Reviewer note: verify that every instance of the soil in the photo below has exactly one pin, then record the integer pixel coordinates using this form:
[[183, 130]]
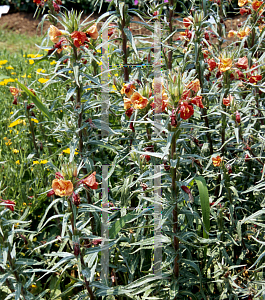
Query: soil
[[21, 22]]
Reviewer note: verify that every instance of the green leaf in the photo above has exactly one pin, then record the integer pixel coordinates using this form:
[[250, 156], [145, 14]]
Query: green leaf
[[130, 38], [35, 100], [115, 229], [205, 204]]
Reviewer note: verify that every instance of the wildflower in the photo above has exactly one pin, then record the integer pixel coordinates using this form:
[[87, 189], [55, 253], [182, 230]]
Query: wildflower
[[232, 33], [34, 120], [54, 34], [43, 80], [242, 2], [225, 64], [128, 89], [186, 110], [212, 64], [14, 91], [144, 186], [62, 187], [3, 62], [90, 181], [56, 7], [138, 101], [92, 32], [194, 85], [43, 162], [242, 63], [78, 38], [227, 101], [31, 61], [40, 71], [17, 162], [76, 199], [35, 162], [247, 158], [68, 151], [15, 151], [197, 101], [244, 32], [216, 161], [187, 22], [238, 118], [243, 11], [127, 103], [9, 204], [9, 68], [255, 79], [256, 4], [8, 143], [53, 62]]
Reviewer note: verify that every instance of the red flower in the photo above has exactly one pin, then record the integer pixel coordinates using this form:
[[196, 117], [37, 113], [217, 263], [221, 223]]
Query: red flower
[[197, 100], [255, 79], [90, 181], [238, 118], [240, 74], [76, 199], [129, 112], [243, 11], [78, 38], [56, 7], [186, 110], [50, 193], [187, 22], [9, 204], [212, 64], [242, 63]]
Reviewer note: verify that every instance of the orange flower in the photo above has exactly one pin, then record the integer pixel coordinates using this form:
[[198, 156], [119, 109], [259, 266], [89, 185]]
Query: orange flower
[[93, 32], [90, 181], [128, 89], [194, 85], [225, 64], [216, 161], [232, 33], [242, 63], [244, 32], [14, 91], [138, 101], [242, 2], [127, 103], [62, 187], [79, 38], [197, 100], [185, 110], [54, 34], [212, 64], [227, 101], [256, 4]]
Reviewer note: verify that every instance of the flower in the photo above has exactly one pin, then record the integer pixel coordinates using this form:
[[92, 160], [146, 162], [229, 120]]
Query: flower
[[197, 100], [68, 151], [216, 161], [138, 101], [187, 22], [242, 63], [238, 118], [54, 34], [18, 121], [227, 101], [225, 64], [9, 204], [255, 79], [15, 151], [62, 187], [78, 38], [50, 193], [194, 85], [129, 112], [43, 162], [43, 80], [212, 64], [128, 89], [9, 68], [90, 181], [127, 103], [242, 2], [256, 4], [76, 199], [232, 33], [17, 162], [244, 32], [186, 110], [14, 91], [92, 32]]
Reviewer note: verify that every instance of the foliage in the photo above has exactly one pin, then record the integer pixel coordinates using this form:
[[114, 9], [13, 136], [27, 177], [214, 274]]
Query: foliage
[[133, 165]]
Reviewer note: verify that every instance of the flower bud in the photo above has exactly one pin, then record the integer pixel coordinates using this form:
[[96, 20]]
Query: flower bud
[[50, 193], [76, 249], [238, 118], [76, 199]]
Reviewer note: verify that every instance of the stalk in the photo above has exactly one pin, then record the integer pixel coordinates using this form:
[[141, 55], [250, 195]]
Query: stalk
[[33, 135], [124, 49], [170, 42]]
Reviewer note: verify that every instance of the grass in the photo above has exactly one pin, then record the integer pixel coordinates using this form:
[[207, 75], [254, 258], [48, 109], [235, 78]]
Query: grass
[[15, 42]]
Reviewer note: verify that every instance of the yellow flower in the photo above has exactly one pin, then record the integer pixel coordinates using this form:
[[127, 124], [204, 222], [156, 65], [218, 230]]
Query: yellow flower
[[24, 76], [29, 76], [225, 64], [11, 113], [34, 285], [43, 80], [35, 239], [15, 151], [40, 71], [9, 68], [34, 120], [53, 62], [24, 203], [31, 61], [18, 121], [8, 143], [70, 72], [35, 162], [100, 63], [22, 253], [68, 151], [3, 62], [5, 138], [44, 161], [13, 73]]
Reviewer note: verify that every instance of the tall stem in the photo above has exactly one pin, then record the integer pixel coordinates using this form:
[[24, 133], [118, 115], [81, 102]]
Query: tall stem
[[124, 49], [170, 42], [33, 135]]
